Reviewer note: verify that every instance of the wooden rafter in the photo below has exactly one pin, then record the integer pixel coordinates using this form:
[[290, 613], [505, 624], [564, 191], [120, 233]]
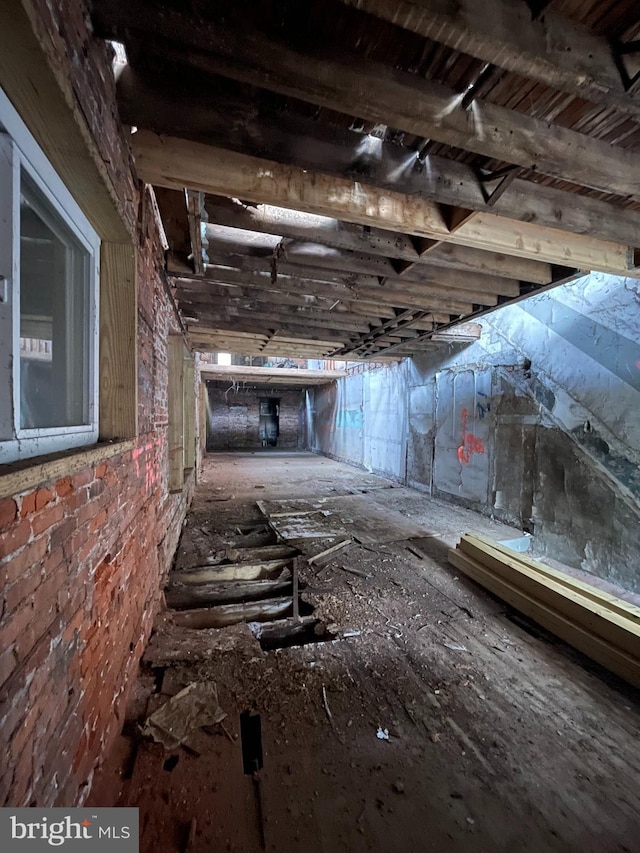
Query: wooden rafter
[[381, 94], [172, 162], [547, 47], [343, 153]]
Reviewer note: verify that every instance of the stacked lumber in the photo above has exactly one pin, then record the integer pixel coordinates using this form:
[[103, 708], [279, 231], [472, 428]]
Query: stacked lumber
[[602, 626]]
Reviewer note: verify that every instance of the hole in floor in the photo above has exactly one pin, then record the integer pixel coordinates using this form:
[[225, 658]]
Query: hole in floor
[[158, 678], [285, 634], [171, 763], [251, 739]]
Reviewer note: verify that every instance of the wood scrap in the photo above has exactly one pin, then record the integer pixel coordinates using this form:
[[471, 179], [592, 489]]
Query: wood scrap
[[230, 614], [356, 572], [189, 596], [238, 571], [332, 550]]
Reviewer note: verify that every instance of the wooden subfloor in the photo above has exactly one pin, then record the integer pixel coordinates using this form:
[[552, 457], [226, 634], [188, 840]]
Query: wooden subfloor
[[501, 738]]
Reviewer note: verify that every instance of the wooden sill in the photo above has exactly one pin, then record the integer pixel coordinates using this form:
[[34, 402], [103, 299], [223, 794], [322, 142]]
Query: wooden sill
[[18, 477]]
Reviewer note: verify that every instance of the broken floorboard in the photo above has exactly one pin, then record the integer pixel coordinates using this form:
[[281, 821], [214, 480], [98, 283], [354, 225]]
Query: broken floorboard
[[500, 737]]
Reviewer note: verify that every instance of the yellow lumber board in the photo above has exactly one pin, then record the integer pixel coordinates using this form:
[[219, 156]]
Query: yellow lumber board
[[578, 608], [625, 665], [612, 602]]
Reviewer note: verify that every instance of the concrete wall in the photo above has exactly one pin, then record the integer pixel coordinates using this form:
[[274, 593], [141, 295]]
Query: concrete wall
[[234, 417], [83, 555], [535, 423]]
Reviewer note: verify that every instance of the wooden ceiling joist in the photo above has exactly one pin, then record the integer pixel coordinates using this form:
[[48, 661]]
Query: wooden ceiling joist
[[366, 189], [268, 219], [378, 93], [172, 162], [344, 153], [550, 48]]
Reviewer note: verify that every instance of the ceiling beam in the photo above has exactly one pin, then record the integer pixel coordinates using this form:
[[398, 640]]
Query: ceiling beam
[[550, 49], [356, 267], [375, 92], [175, 163], [267, 324], [300, 141], [284, 376], [280, 221]]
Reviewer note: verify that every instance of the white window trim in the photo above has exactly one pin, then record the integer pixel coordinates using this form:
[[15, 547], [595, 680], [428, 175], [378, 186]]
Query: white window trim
[[19, 149]]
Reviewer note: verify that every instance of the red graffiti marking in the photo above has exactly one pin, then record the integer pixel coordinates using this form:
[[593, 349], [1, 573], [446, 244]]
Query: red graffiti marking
[[470, 444]]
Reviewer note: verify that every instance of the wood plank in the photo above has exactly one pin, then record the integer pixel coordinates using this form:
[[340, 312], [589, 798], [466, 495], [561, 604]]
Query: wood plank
[[280, 221], [303, 142], [281, 374], [189, 597], [614, 659], [299, 330], [319, 319], [118, 355], [580, 609], [168, 161], [231, 614], [475, 544], [266, 569], [26, 475], [550, 49], [172, 206], [189, 412], [382, 94], [175, 404]]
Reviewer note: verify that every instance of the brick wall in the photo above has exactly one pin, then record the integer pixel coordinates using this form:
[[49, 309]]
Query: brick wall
[[234, 417], [82, 557]]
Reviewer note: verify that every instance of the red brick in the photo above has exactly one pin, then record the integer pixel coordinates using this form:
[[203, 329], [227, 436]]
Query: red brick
[[22, 589], [31, 555], [101, 469], [64, 487], [76, 499], [97, 522], [44, 520], [28, 504], [8, 664], [15, 538], [82, 478], [8, 511], [43, 497], [15, 625]]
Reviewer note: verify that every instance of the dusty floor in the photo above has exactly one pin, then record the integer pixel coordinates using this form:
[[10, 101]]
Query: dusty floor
[[501, 738]]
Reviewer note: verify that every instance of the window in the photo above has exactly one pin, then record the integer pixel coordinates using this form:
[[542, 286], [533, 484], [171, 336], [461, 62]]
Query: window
[[49, 259]]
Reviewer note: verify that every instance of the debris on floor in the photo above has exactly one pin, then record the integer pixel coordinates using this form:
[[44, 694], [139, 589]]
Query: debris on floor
[[192, 708], [404, 704]]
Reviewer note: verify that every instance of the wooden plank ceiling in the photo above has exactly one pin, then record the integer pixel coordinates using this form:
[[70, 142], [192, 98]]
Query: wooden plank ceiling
[[354, 177]]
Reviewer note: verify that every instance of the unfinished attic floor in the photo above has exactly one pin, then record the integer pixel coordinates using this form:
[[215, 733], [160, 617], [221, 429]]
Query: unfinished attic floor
[[500, 738]]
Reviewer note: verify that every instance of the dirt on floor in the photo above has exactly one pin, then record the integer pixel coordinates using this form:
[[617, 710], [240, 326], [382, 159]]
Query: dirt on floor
[[428, 716]]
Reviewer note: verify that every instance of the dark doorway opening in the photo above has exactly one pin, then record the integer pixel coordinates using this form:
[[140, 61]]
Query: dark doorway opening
[[269, 420]]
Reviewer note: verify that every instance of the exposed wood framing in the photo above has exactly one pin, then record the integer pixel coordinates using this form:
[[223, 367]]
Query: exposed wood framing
[[381, 94], [118, 410], [27, 475], [271, 376], [551, 48], [268, 219], [347, 154], [172, 162], [175, 403]]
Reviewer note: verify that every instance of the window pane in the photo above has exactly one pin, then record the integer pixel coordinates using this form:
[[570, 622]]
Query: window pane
[[54, 356]]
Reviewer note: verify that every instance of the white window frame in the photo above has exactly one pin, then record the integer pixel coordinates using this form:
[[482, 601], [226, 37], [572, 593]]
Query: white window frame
[[19, 150]]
